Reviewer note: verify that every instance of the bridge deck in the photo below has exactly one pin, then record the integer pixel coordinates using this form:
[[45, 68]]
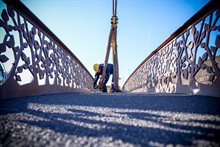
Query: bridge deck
[[97, 119]]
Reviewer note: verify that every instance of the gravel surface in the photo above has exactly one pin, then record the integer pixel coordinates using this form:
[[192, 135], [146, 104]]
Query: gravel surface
[[121, 119]]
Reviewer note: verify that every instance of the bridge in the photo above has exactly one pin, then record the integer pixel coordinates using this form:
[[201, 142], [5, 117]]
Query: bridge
[[171, 98]]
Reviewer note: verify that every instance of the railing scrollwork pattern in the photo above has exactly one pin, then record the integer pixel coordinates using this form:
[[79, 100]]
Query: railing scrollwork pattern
[[187, 62], [33, 60]]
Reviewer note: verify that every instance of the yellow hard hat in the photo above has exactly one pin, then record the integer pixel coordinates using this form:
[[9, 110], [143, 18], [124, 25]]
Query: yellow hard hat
[[96, 67]]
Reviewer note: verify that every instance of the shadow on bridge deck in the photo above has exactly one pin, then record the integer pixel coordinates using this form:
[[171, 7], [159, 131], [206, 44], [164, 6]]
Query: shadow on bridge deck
[[79, 119]]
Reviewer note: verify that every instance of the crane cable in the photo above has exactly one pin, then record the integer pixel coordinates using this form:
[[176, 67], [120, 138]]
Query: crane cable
[[114, 7]]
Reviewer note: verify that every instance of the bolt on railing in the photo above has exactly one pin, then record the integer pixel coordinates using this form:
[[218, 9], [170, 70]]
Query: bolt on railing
[[187, 62], [32, 59]]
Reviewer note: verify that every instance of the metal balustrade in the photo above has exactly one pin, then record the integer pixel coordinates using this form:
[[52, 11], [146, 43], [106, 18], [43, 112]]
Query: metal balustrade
[[187, 62], [32, 59]]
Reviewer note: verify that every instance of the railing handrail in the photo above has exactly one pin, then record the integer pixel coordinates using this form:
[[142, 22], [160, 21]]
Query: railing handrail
[[24, 11], [206, 9]]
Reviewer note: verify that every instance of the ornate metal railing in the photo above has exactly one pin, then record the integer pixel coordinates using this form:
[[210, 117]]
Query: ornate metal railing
[[32, 59], [187, 62]]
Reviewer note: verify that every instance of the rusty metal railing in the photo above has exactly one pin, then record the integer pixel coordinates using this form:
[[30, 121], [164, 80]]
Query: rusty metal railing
[[187, 62], [32, 59]]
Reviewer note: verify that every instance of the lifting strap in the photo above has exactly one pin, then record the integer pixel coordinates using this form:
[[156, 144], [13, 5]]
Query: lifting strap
[[112, 43]]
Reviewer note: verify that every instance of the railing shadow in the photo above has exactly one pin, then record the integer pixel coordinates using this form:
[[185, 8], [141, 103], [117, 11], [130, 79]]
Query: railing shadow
[[134, 119]]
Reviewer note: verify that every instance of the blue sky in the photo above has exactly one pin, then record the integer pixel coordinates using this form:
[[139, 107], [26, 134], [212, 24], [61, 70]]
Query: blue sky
[[84, 25]]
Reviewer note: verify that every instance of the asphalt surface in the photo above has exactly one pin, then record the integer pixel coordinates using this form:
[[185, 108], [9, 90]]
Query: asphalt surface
[[122, 119]]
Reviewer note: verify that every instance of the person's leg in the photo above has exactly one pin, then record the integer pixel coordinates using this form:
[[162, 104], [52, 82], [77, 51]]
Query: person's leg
[[113, 84], [105, 82]]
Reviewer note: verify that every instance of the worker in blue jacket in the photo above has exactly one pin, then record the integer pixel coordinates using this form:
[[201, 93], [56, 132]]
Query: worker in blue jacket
[[98, 68]]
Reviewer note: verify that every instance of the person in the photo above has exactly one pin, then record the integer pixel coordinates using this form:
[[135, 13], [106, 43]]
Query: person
[[98, 68]]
